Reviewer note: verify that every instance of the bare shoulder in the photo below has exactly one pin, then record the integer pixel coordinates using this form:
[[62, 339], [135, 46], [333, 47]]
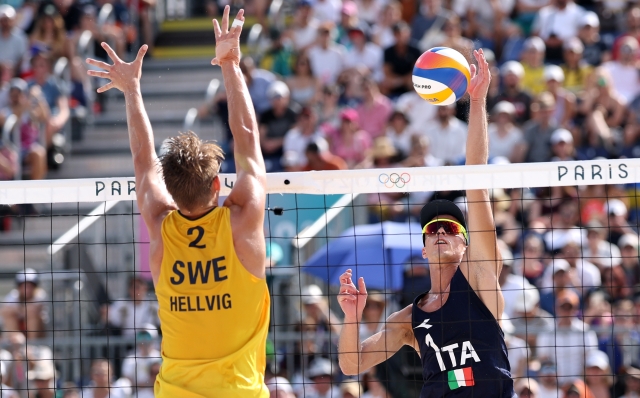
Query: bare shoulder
[[399, 325], [248, 240]]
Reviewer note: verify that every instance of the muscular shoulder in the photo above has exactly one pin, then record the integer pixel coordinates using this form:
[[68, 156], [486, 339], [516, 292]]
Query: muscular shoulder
[[399, 324]]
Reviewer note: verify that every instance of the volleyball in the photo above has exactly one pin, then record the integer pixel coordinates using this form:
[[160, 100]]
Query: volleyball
[[441, 76]]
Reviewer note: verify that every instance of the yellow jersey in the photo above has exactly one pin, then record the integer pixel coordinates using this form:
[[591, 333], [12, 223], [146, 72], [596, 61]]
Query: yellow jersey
[[533, 80], [214, 313]]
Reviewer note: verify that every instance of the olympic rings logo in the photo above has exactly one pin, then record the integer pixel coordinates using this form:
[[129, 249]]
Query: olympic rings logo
[[394, 179]]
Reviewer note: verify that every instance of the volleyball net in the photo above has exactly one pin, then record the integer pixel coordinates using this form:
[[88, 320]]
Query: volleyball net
[[79, 310]]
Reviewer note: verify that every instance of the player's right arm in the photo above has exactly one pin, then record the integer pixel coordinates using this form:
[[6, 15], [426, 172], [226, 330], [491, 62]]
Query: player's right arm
[[247, 198], [356, 357], [152, 196]]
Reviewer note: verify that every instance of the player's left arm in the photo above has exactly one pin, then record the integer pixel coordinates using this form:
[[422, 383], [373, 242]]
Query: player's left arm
[[484, 260], [152, 196]]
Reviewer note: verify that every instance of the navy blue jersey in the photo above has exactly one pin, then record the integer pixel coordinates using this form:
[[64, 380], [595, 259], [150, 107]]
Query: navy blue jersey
[[462, 347]]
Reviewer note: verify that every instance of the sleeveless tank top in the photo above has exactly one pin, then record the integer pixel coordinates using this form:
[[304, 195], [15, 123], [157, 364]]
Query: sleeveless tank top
[[462, 347], [214, 313]]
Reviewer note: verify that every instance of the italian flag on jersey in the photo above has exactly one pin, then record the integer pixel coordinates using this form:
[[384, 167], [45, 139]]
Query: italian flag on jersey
[[460, 378]]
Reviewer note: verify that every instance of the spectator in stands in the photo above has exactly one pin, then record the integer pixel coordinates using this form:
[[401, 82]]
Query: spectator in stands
[[420, 156], [20, 356], [547, 376], [49, 33], [147, 390], [258, 82], [562, 147], [628, 244], [348, 141], [511, 74], [319, 157], [328, 107], [488, 21], [448, 135], [505, 139], [279, 387], [43, 377], [530, 262], [373, 315], [418, 111], [107, 32], [399, 132], [527, 388], [565, 100], [399, 61], [562, 279], [511, 285], [614, 284], [567, 349], [321, 375], [364, 55], [349, 19], [597, 250], [278, 58], [275, 123], [136, 366], [532, 60], [598, 374], [428, 23], [624, 70], [369, 11], [31, 109], [326, 56], [517, 349], [296, 140], [453, 37], [595, 50], [382, 32], [25, 309], [327, 10], [303, 84], [630, 29], [617, 221], [556, 23], [537, 132], [53, 92], [316, 307], [576, 70], [585, 274], [137, 311], [304, 30], [13, 42], [375, 109], [527, 315], [632, 382], [102, 382]]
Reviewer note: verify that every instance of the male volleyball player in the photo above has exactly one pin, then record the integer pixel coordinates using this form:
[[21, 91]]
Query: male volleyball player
[[454, 326], [207, 261]]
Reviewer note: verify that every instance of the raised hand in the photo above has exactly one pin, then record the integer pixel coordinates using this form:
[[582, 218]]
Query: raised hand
[[480, 77], [124, 76], [227, 40], [352, 300]]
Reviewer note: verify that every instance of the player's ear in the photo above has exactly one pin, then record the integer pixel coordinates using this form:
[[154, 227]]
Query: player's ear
[[424, 252], [215, 184]]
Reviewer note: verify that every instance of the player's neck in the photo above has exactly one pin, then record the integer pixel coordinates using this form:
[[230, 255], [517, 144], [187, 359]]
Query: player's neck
[[441, 275], [194, 214]]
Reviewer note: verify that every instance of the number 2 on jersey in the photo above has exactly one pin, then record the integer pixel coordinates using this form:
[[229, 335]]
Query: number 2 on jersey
[[196, 241]]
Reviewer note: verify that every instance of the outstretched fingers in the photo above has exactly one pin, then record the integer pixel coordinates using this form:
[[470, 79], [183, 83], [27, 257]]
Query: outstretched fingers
[[98, 73], [112, 54], [362, 286], [106, 87], [216, 29], [473, 70], [141, 52], [225, 20], [99, 64]]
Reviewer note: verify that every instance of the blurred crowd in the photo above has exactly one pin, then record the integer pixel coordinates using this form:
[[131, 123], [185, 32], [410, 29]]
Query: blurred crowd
[[43, 79], [117, 369], [333, 91]]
